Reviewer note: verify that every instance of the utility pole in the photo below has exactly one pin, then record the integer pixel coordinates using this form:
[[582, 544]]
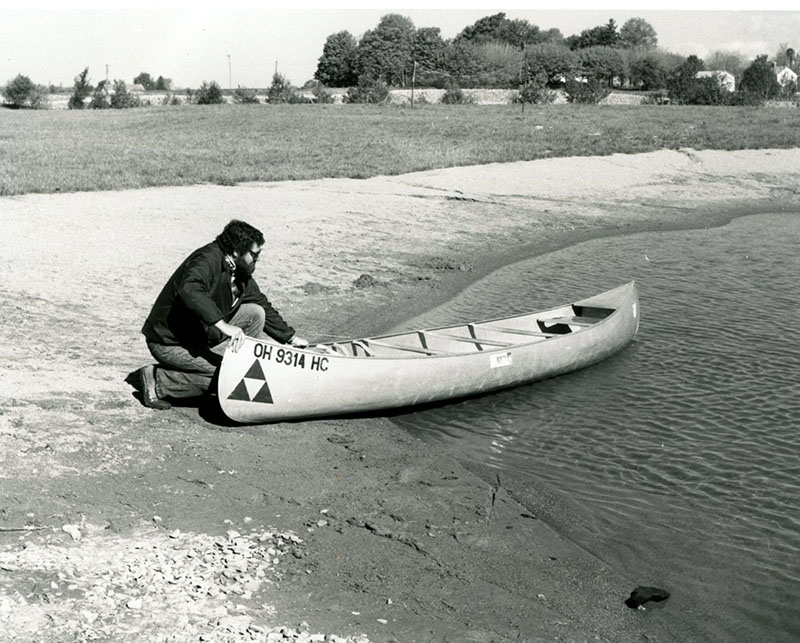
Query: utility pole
[[413, 82], [106, 73], [230, 87]]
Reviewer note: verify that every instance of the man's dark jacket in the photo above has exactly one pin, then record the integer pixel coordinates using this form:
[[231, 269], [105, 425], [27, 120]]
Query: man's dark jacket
[[198, 295]]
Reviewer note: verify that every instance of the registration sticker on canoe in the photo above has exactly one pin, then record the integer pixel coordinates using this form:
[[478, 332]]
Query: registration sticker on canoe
[[504, 359]]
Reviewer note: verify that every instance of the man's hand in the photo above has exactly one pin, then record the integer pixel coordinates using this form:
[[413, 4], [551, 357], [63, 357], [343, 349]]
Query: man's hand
[[235, 333], [298, 342]]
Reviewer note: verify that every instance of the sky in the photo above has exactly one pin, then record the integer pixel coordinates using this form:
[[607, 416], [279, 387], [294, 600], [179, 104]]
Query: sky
[[240, 45]]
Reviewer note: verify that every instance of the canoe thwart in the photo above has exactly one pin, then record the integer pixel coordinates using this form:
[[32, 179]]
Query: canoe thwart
[[400, 347], [471, 340]]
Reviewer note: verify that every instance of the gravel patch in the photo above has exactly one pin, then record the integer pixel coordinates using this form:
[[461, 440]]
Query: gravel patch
[[80, 583]]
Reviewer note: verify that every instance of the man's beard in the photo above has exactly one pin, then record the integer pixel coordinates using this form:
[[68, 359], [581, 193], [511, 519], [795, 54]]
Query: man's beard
[[243, 270]]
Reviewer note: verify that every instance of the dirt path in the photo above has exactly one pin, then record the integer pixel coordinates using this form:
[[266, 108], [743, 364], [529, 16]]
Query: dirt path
[[119, 523]]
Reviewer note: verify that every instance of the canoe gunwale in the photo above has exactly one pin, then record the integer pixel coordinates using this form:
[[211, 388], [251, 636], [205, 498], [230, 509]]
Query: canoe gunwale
[[414, 352]]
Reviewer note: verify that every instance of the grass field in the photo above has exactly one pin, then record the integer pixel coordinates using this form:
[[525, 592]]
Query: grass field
[[51, 151]]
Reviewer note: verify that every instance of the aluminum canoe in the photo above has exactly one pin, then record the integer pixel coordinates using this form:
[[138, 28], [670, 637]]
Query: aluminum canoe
[[265, 381]]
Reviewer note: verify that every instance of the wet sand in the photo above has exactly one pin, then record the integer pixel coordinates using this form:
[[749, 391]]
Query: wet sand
[[179, 528]]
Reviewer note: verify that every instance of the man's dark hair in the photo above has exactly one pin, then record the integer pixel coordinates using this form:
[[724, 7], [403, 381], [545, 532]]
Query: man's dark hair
[[239, 236]]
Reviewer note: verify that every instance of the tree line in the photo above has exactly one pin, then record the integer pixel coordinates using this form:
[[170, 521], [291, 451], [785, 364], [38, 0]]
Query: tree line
[[494, 52], [497, 51]]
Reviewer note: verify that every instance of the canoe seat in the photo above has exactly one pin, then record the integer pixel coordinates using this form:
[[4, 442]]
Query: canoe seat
[[572, 321], [472, 340]]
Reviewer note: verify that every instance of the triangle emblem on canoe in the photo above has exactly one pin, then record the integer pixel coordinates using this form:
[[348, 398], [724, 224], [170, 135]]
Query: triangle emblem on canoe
[[256, 372], [242, 390], [264, 395]]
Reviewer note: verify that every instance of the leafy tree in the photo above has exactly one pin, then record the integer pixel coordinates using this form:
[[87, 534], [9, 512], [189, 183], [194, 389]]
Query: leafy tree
[[23, 92], [83, 89], [648, 71], [603, 63], [209, 94], [144, 79], [163, 84], [460, 63], [759, 79], [602, 36], [556, 62], [498, 28], [683, 77], [386, 51], [429, 49], [335, 66], [638, 33], [781, 56], [492, 64], [501, 65], [122, 98], [732, 62], [484, 30]]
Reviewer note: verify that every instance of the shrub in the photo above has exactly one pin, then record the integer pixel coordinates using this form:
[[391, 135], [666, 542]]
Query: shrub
[[23, 92], [81, 92], [788, 89], [321, 94], [454, 95], [535, 92], [100, 96], [208, 94], [170, 99], [746, 99], [122, 98], [659, 97], [369, 90], [281, 90], [705, 91], [588, 92], [243, 96]]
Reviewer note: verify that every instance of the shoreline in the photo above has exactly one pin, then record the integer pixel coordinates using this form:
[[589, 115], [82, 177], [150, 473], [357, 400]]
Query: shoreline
[[397, 540]]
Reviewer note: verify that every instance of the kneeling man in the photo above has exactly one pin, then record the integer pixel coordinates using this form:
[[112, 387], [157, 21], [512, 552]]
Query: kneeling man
[[209, 302]]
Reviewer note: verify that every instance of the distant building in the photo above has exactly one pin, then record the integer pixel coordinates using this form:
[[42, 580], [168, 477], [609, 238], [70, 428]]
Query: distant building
[[136, 87], [785, 76], [725, 79]]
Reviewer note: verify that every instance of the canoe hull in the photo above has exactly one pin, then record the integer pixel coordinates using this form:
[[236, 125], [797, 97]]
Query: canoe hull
[[268, 382]]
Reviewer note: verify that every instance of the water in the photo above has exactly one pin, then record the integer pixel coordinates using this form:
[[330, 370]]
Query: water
[[680, 455]]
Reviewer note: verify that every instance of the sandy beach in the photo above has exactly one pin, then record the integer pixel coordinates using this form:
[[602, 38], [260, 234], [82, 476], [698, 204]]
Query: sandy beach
[[125, 524]]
